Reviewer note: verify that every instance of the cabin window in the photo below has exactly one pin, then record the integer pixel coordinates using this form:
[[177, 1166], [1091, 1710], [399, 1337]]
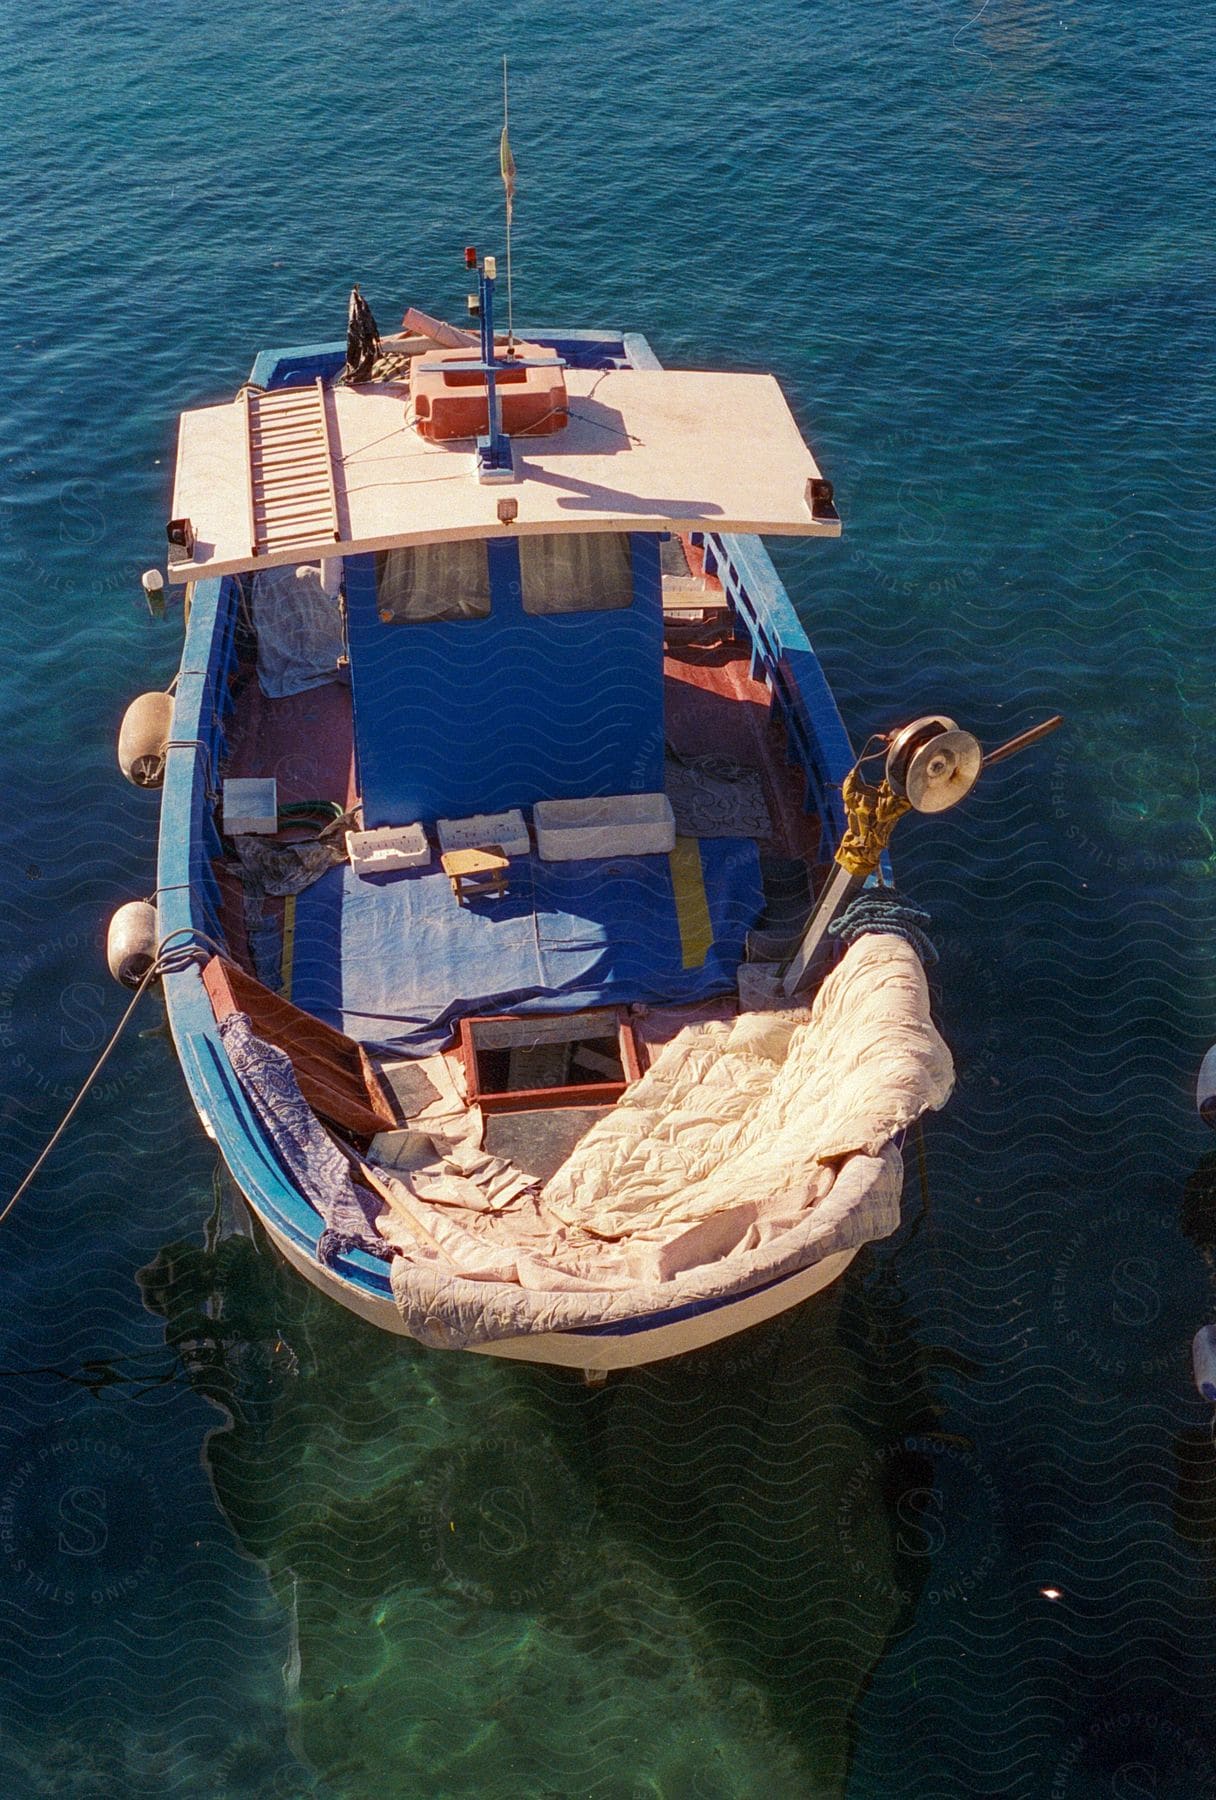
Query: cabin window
[[430, 583], [576, 572]]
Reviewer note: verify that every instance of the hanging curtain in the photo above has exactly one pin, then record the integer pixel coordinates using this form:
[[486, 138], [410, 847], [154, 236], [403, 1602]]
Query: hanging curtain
[[576, 572], [432, 582]]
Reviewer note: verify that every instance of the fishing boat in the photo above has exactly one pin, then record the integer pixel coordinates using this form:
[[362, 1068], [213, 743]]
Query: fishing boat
[[523, 914]]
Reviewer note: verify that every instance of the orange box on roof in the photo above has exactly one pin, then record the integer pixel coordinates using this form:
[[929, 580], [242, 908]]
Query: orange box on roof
[[452, 402]]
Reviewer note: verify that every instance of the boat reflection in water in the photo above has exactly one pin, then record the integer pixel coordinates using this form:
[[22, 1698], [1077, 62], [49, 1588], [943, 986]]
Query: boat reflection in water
[[505, 1581]]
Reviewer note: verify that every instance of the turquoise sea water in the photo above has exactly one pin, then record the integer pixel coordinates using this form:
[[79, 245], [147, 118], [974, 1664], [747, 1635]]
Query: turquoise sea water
[[249, 1547]]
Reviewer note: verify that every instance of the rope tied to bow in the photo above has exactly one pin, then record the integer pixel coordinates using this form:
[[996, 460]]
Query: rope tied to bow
[[881, 909]]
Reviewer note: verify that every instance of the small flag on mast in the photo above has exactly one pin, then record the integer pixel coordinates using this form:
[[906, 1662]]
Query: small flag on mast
[[507, 164]]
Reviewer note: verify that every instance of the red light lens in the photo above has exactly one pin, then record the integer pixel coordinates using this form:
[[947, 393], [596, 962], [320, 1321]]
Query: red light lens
[[470, 256]]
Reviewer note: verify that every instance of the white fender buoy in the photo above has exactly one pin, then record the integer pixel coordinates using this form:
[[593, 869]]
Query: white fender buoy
[[153, 584], [145, 730], [1205, 1089], [131, 942], [1203, 1361]]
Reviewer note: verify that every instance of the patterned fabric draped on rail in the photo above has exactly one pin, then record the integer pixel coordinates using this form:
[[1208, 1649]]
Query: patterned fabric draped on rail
[[308, 1153]]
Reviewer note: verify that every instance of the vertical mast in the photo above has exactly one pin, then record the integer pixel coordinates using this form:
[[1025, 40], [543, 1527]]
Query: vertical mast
[[507, 162]]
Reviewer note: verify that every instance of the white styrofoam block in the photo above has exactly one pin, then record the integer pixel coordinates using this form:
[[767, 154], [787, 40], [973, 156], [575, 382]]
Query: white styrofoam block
[[615, 825], [388, 847], [251, 805], [508, 830]]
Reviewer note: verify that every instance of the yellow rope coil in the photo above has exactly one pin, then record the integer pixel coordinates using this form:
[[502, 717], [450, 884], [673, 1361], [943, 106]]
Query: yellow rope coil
[[871, 815]]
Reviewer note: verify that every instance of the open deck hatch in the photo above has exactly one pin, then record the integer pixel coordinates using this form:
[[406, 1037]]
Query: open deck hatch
[[572, 1059]]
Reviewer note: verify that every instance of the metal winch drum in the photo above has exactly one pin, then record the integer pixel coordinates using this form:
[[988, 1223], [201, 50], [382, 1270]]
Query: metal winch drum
[[932, 764]]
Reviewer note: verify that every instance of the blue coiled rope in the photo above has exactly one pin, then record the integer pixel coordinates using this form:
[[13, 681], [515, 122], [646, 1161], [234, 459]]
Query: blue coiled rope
[[881, 909]]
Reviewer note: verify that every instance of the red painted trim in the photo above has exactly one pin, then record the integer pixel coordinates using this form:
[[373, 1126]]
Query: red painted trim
[[594, 1093], [631, 1059], [469, 1058]]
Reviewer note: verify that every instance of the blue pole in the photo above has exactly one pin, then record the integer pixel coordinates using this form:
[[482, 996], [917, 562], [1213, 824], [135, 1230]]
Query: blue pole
[[487, 314], [487, 357]]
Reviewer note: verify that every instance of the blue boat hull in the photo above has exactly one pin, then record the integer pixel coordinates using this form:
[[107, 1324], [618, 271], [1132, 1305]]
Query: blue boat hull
[[189, 901]]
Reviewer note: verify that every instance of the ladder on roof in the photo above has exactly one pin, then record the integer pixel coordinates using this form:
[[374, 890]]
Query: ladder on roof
[[292, 502]]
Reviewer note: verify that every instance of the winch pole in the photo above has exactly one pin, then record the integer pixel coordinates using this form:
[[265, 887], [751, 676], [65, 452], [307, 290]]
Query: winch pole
[[838, 890], [872, 814], [1024, 740]]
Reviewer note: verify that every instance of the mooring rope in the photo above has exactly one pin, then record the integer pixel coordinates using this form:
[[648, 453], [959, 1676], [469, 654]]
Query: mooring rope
[[166, 961]]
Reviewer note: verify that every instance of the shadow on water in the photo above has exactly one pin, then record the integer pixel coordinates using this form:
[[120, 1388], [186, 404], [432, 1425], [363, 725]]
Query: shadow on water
[[503, 1581]]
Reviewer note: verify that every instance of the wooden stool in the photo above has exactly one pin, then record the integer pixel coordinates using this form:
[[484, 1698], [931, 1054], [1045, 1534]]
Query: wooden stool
[[476, 874]]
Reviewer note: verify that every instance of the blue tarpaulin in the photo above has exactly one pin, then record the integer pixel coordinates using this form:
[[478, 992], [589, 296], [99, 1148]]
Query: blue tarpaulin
[[476, 714], [395, 961]]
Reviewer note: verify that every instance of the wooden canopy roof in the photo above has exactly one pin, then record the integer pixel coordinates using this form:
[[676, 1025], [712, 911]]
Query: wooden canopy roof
[[306, 472]]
